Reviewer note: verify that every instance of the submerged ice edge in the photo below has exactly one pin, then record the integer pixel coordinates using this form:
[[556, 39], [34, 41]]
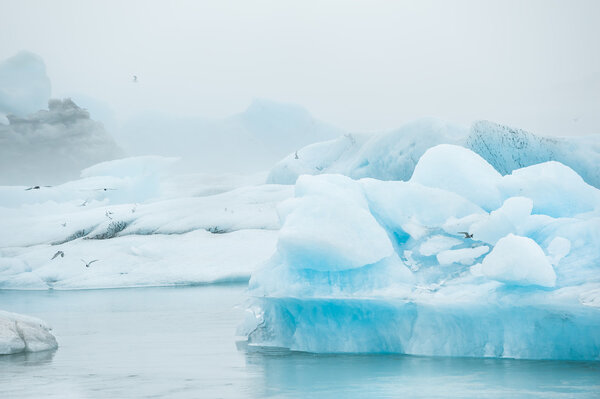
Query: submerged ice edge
[[403, 327]]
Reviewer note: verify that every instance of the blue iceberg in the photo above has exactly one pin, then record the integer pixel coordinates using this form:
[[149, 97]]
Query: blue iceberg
[[460, 260]]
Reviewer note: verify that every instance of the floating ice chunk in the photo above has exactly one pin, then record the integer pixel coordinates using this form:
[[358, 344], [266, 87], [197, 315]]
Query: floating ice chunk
[[519, 261], [558, 248], [556, 189], [465, 256], [459, 170], [507, 219], [438, 243], [19, 333], [330, 227]]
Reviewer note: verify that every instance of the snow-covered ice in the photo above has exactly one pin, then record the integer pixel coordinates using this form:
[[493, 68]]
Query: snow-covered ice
[[525, 285], [144, 226], [19, 333]]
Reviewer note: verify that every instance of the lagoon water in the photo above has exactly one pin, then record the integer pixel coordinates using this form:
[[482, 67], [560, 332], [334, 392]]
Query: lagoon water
[[180, 343]]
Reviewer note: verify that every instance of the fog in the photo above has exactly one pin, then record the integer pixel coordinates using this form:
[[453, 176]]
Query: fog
[[358, 65], [49, 147]]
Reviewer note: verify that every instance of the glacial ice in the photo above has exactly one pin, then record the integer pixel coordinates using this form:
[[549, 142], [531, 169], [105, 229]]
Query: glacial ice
[[526, 285], [19, 333], [393, 155], [519, 260], [145, 226]]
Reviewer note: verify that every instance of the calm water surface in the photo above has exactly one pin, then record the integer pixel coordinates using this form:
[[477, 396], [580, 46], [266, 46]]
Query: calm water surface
[[180, 343]]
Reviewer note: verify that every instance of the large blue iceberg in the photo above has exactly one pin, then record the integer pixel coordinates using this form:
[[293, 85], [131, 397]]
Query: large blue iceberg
[[460, 260]]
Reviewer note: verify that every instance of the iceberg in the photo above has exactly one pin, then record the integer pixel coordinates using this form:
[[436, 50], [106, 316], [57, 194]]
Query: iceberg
[[459, 260], [394, 155], [143, 225], [19, 333]]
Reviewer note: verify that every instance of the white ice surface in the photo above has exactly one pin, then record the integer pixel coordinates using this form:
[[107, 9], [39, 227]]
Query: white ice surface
[[144, 226], [19, 333], [520, 261]]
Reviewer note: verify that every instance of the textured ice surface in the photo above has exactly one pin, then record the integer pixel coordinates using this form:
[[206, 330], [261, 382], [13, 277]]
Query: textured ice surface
[[144, 227], [525, 285], [20, 333], [394, 155]]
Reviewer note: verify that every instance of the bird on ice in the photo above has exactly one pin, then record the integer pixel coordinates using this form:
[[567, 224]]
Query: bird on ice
[[467, 235], [35, 188], [87, 264], [57, 254]]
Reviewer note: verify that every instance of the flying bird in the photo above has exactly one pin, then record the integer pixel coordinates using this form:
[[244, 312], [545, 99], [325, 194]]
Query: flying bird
[[296, 155], [64, 224], [57, 254], [87, 264], [467, 235], [134, 78], [107, 214], [84, 203]]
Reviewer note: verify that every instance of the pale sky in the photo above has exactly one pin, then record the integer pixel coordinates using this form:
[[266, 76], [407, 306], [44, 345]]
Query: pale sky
[[360, 65]]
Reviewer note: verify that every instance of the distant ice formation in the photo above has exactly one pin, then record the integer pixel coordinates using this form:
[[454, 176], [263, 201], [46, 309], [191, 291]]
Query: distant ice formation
[[377, 266], [252, 140], [394, 155], [52, 146], [19, 333]]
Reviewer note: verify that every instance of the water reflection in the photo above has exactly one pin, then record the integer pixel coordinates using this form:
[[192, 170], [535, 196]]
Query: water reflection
[[27, 359], [294, 374], [179, 343]]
